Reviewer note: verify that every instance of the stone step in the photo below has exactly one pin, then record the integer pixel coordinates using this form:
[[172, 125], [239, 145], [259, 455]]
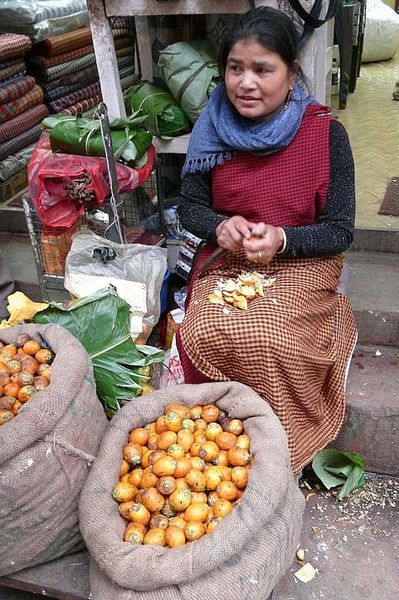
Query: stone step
[[371, 426], [373, 291]]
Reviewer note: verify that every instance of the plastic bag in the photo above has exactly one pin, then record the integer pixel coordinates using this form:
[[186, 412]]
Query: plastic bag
[[136, 271], [49, 174]]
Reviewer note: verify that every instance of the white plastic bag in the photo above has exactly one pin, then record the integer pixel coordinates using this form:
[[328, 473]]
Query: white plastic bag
[[381, 36], [136, 271]]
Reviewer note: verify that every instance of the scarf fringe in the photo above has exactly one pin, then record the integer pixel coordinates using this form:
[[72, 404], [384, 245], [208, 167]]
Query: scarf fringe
[[202, 165]]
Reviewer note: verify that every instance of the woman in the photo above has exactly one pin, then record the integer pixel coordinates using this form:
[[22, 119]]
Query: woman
[[269, 177]]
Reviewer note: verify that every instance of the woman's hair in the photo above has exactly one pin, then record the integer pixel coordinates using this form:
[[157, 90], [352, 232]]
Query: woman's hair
[[271, 28]]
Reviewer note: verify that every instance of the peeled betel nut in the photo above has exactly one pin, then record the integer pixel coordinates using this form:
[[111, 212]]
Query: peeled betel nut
[[300, 554]]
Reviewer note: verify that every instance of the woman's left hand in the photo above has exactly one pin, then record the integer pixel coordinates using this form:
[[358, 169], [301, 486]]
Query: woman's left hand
[[265, 242]]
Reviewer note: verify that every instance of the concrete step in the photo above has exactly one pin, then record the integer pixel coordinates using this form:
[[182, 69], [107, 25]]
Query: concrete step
[[373, 291], [371, 426]]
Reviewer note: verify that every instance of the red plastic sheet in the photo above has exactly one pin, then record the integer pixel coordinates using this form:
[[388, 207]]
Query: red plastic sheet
[[49, 174]]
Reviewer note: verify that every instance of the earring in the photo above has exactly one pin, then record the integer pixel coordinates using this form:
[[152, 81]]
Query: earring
[[288, 99]]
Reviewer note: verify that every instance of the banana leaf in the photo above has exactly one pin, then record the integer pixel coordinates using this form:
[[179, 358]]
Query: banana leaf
[[190, 75], [79, 135], [335, 468], [165, 117], [101, 323]]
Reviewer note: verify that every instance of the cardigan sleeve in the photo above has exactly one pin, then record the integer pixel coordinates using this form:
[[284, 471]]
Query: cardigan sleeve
[[332, 233]]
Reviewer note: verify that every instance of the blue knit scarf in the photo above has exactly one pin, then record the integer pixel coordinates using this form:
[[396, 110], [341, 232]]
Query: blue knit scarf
[[221, 131]]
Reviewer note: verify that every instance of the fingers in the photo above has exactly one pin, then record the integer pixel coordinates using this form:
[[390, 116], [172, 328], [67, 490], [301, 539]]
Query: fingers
[[232, 232], [263, 249]]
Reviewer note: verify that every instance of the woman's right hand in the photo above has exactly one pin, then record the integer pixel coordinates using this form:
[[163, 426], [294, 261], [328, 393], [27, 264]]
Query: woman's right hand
[[231, 233]]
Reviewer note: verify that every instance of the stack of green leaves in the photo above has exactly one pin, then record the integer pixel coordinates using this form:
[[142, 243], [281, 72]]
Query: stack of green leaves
[[335, 468], [101, 323], [164, 118], [80, 135]]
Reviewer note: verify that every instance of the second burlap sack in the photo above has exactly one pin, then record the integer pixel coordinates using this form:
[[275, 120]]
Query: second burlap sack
[[247, 553], [46, 453]]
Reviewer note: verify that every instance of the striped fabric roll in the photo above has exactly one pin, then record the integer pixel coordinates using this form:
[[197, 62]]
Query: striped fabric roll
[[13, 44], [16, 162], [18, 68], [82, 106], [81, 77], [129, 80], [20, 105], [82, 94], [19, 142], [65, 42], [15, 90], [23, 123], [40, 63], [66, 68]]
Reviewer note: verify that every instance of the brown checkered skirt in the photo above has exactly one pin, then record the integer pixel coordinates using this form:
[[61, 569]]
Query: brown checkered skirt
[[292, 346]]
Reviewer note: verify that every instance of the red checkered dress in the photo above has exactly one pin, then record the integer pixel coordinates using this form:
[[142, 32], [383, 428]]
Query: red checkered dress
[[293, 345]]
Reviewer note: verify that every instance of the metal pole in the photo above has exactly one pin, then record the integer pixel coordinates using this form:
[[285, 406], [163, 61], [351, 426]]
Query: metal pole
[[114, 231]]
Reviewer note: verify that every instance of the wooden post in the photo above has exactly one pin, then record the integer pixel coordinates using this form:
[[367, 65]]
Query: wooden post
[[107, 65]]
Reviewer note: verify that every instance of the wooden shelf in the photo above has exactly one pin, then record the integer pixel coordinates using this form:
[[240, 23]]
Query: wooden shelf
[[120, 8], [177, 145]]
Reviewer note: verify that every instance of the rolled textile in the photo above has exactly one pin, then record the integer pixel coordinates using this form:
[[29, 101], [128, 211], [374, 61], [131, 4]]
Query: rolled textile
[[15, 90], [90, 91], [76, 65], [128, 81], [23, 122], [20, 105], [65, 42], [129, 70], [82, 106], [16, 162], [10, 62], [39, 63], [80, 77], [65, 90], [71, 66], [53, 27], [18, 68], [25, 12], [19, 142], [11, 80], [13, 44]]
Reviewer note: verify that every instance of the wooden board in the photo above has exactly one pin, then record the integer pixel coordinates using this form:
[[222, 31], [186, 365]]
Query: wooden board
[[118, 8], [65, 579]]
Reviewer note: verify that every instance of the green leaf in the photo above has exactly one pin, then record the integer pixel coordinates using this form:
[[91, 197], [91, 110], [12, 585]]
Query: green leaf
[[101, 323], [335, 468]]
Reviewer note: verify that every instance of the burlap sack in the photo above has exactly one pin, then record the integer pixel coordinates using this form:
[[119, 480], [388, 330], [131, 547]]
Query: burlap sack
[[46, 452], [249, 550]]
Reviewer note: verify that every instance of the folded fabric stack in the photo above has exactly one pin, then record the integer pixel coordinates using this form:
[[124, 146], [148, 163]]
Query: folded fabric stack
[[42, 18], [65, 66], [21, 112]]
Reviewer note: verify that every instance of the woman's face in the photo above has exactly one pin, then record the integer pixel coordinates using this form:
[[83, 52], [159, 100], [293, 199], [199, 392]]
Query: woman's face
[[257, 80]]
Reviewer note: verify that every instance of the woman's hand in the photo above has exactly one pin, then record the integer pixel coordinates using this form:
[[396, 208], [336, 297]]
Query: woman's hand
[[265, 241], [232, 232]]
